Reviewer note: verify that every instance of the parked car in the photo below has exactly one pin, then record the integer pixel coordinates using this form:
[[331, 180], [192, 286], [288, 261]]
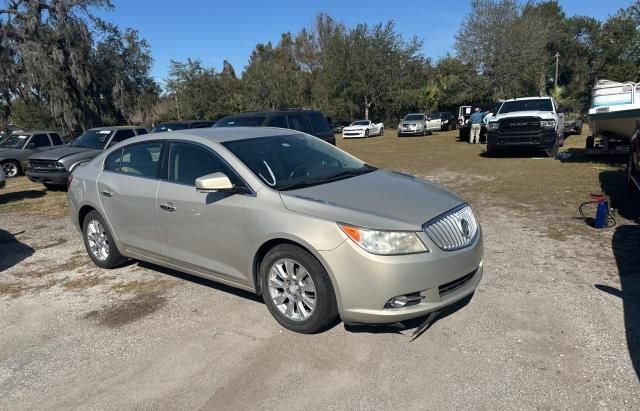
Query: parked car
[[633, 162], [52, 168], [18, 147], [415, 124], [573, 126], [181, 125], [527, 123], [363, 128], [315, 231], [338, 126], [3, 179], [308, 121], [444, 121]]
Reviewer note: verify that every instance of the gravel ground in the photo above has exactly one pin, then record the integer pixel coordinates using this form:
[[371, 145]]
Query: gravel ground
[[550, 326]]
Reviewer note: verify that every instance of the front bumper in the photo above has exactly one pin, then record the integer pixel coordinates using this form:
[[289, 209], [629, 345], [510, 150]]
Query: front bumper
[[365, 282], [411, 131], [48, 177], [536, 140], [353, 133]]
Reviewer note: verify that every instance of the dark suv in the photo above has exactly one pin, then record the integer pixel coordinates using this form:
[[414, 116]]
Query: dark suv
[[308, 121], [52, 168], [182, 125]]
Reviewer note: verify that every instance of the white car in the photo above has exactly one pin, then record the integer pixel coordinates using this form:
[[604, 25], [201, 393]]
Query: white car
[[363, 128]]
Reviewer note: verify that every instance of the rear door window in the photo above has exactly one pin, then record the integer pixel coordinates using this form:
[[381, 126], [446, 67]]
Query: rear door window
[[141, 131], [141, 159], [55, 137], [299, 122], [319, 122], [122, 135]]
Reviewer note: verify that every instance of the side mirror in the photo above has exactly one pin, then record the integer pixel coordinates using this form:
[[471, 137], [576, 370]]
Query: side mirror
[[213, 182]]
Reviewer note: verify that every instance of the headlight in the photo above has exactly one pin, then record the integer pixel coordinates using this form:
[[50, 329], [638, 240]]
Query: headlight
[[548, 123], [59, 166], [494, 125], [419, 125], [385, 242]]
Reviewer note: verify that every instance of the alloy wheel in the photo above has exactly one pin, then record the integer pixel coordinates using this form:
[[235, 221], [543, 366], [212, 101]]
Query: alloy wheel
[[97, 240], [10, 169], [292, 289]]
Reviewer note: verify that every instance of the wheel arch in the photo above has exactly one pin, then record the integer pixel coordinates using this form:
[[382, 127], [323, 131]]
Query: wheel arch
[[266, 246], [82, 213]]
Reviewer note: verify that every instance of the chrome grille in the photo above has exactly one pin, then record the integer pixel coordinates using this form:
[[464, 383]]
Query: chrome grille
[[44, 165], [453, 230]]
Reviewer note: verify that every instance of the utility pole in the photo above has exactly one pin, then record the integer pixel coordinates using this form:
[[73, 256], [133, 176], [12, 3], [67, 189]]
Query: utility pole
[[555, 80]]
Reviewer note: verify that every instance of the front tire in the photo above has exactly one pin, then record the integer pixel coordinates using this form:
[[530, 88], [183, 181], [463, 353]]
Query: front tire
[[99, 242], [297, 290], [553, 151], [366, 134], [381, 132], [11, 168]]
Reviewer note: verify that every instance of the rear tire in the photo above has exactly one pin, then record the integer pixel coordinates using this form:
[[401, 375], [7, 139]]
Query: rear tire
[[282, 289], [381, 132], [96, 236]]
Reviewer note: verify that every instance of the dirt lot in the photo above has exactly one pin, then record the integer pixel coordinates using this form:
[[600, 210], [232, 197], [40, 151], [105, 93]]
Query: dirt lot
[[554, 324]]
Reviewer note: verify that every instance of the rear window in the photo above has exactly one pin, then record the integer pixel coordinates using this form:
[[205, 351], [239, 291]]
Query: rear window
[[57, 141], [277, 121], [319, 123], [299, 122], [241, 121]]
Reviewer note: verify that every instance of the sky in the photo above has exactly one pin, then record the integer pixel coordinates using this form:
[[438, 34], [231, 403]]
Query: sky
[[215, 30]]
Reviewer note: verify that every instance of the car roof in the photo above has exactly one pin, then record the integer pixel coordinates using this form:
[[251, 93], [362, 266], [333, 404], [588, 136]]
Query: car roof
[[117, 128], [529, 98], [266, 112], [30, 132], [224, 134]]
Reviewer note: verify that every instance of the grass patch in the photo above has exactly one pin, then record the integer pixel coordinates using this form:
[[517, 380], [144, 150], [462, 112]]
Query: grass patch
[[21, 196]]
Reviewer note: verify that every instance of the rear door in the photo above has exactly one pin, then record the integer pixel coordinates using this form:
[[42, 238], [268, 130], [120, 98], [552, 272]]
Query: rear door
[[201, 231], [127, 189]]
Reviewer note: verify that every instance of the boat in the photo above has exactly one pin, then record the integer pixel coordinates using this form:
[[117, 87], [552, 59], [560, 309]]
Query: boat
[[615, 108]]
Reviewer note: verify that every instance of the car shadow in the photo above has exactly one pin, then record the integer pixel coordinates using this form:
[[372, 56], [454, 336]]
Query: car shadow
[[12, 251], [401, 326], [6, 198], [625, 245], [577, 155]]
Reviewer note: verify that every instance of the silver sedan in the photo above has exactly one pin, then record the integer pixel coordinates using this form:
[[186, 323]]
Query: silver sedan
[[315, 231]]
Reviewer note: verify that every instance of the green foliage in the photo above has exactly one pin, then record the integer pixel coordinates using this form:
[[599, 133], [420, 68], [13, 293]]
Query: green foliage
[[85, 71]]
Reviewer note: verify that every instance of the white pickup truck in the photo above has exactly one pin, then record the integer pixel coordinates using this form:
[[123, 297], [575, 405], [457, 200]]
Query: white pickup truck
[[526, 123], [363, 128]]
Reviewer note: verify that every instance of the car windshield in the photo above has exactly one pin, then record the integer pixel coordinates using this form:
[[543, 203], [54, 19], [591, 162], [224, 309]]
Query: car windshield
[[95, 139], [526, 105], [289, 162], [414, 117], [241, 121], [360, 123], [168, 127], [14, 141]]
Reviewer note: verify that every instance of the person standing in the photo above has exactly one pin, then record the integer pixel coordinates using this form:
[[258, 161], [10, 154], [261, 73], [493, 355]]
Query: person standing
[[476, 126]]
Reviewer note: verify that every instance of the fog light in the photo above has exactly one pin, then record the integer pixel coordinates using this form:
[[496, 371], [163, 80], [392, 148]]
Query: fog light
[[399, 302]]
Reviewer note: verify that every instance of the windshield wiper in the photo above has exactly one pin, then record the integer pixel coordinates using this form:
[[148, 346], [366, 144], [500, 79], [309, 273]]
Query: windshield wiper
[[336, 177]]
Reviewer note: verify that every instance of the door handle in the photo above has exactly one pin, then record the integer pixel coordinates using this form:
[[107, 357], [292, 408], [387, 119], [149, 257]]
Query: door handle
[[167, 207], [106, 193]]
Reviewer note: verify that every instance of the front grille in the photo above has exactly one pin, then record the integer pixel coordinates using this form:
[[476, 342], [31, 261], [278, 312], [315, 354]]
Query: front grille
[[453, 230], [44, 165], [519, 124], [448, 288]]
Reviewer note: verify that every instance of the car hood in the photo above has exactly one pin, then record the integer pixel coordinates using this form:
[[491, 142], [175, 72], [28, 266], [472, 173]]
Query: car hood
[[61, 153], [539, 114], [355, 128], [381, 199]]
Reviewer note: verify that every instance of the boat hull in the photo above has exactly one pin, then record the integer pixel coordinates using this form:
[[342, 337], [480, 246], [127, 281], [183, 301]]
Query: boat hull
[[616, 120]]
